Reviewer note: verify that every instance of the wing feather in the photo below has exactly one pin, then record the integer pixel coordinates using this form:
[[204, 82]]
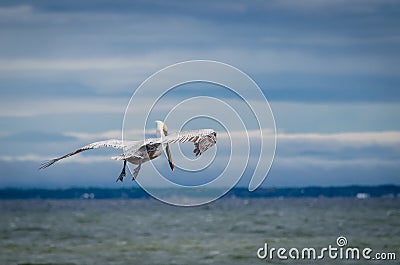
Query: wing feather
[[202, 139], [118, 144]]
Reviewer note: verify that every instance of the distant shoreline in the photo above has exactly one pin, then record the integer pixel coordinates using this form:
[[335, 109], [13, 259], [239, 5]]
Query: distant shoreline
[[360, 192]]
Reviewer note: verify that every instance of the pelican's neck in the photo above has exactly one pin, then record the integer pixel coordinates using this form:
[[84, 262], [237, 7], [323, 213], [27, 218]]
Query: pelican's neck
[[159, 129]]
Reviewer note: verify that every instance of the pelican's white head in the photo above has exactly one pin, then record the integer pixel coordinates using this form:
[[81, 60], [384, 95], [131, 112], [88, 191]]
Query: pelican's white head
[[162, 129]]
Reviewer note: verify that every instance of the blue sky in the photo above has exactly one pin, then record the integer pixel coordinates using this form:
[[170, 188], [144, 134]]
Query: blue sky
[[328, 68]]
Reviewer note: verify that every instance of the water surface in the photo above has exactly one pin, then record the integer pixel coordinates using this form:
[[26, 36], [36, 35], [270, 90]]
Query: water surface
[[228, 231]]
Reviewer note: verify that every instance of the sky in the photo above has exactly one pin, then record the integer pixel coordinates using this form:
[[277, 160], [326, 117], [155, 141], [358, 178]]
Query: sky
[[329, 70]]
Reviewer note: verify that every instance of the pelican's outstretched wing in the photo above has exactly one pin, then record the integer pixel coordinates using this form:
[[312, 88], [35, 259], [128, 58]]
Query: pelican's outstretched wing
[[107, 143], [202, 139]]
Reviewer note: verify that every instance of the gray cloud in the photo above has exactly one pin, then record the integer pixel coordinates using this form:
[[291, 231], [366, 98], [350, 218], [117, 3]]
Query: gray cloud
[[301, 159], [351, 58], [68, 68], [35, 136]]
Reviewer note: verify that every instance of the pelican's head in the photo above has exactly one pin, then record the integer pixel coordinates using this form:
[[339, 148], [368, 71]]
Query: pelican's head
[[162, 130]]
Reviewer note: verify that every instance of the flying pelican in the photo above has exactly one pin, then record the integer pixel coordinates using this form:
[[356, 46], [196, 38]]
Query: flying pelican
[[139, 152]]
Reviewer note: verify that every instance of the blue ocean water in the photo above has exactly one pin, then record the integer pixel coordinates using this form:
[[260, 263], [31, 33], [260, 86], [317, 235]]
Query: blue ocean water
[[228, 231]]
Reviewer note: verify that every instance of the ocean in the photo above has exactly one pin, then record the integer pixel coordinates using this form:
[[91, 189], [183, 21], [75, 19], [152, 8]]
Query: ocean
[[228, 231]]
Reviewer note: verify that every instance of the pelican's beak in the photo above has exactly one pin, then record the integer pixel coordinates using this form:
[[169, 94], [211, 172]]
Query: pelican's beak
[[171, 164]]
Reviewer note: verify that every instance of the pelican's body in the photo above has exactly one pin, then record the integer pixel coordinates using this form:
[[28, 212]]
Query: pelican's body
[[143, 154], [139, 152]]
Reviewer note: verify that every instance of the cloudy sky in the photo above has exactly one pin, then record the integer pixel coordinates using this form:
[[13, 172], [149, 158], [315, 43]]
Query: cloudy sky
[[329, 69]]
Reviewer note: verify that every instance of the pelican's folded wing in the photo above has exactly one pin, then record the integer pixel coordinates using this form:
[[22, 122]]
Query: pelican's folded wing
[[118, 144], [202, 139]]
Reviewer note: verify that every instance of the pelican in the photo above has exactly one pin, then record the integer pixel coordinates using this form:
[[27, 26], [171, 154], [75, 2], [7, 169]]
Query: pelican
[[139, 152]]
